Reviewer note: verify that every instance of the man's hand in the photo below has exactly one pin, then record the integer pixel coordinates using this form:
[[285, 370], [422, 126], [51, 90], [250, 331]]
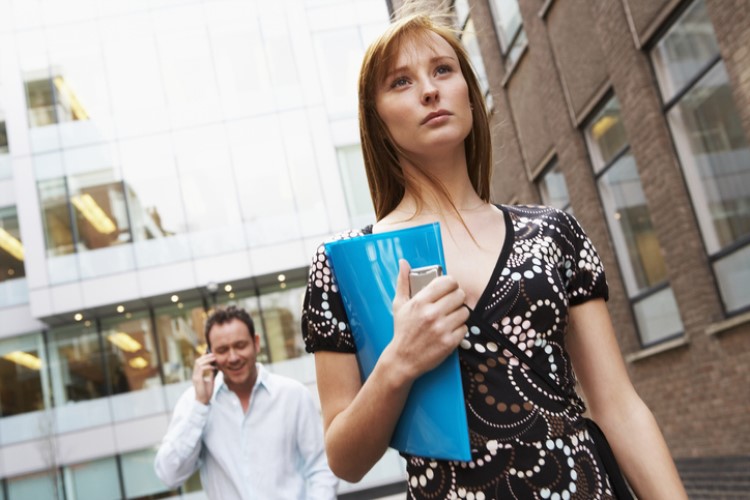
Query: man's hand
[[203, 377]]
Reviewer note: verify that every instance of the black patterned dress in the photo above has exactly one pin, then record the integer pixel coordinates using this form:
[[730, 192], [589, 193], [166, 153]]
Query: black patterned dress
[[526, 440]]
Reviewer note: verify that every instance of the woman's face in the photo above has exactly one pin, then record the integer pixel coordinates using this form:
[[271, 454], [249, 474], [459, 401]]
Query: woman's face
[[424, 99]]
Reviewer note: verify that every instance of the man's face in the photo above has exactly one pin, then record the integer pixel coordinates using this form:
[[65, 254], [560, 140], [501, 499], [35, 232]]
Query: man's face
[[236, 351]]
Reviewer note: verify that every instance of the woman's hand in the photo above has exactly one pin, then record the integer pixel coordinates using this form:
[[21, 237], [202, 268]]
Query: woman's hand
[[428, 326]]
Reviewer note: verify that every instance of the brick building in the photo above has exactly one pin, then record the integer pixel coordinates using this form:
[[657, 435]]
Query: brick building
[[635, 116]]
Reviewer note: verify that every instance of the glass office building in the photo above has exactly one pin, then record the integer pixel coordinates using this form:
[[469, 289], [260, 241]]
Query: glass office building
[[158, 158]]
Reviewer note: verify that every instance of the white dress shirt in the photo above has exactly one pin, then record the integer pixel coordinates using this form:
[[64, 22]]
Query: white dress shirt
[[274, 451]]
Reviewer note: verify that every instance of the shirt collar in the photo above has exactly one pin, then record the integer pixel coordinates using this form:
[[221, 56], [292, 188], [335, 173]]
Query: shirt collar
[[262, 380]]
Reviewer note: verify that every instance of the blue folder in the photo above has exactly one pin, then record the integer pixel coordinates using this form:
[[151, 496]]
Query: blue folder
[[433, 422]]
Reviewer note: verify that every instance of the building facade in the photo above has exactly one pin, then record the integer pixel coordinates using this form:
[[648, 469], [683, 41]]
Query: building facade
[[634, 116], [158, 159]]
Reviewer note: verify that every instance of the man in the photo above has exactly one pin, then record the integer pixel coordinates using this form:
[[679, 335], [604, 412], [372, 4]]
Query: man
[[253, 434]]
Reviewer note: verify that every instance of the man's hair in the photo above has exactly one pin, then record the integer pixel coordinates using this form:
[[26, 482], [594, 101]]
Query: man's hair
[[223, 316], [385, 176]]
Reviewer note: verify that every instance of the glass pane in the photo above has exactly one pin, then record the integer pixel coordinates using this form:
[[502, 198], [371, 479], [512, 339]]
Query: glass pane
[[686, 48], [21, 371], [733, 275], [553, 189], [11, 248], [96, 480], [657, 317], [281, 318], [471, 43], [354, 181], [130, 351], [39, 485], [715, 158], [462, 10], [516, 49], [606, 135], [139, 478], [3, 138], [100, 210], [507, 20], [41, 102], [76, 364], [180, 329], [629, 220], [58, 230]]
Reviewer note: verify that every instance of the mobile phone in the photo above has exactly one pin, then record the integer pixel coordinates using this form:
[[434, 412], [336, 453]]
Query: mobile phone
[[419, 277], [214, 367]]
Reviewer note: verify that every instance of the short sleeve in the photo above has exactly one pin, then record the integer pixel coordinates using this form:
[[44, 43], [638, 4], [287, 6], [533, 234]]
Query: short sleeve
[[325, 326], [584, 276]]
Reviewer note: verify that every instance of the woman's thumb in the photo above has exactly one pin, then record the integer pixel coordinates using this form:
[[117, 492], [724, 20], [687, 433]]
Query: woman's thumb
[[402, 283]]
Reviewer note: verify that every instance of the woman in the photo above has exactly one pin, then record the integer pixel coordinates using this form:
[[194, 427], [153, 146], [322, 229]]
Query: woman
[[528, 272]]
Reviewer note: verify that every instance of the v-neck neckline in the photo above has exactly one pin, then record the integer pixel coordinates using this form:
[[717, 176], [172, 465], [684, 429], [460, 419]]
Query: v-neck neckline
[[502, 260]]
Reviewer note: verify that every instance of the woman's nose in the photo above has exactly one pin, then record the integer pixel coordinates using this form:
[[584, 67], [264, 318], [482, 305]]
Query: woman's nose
[[430, 95]]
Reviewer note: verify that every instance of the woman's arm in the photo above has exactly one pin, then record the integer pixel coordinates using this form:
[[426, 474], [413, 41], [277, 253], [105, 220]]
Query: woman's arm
[[359, 419], [629, 425]]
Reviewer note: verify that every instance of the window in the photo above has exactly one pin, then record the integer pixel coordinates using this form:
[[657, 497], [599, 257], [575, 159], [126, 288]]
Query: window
[[712, 146], [130, 352], [97, 480], [52, 100], [180, 330], [38, 485], [22, 366], [139, 478], [76, 364], [636, 245], [553, 188], [11, 248], [84, 212], [3, 137], [280, 310], [509, 27], [471, 44], [354, 181]]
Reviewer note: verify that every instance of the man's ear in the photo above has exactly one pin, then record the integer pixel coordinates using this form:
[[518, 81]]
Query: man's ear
[[257, 342]]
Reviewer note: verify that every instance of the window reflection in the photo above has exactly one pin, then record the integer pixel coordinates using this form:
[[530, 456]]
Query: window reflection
[[130, 352], [180, 331], [38, 485], [686, 48], [21, 371], [83, 212], [52, 100], [354, 182], [716, 156], [553, 189], [3, 137], [77, 364], [281, 309], [630, 218], [607, 134], [139, 478], [509, 28], [96, 480], [11, 248]]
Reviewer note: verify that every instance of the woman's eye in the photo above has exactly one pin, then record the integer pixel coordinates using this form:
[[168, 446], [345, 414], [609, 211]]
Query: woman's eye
[[399, 82], [443, 69]]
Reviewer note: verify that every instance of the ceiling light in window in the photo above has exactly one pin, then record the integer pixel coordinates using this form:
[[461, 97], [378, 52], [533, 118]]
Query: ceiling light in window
[[24, 359], [175, 298], [138, 363], [78, 317], [125, 342], [281, 278], [120, 308], [93, 213], [10, 244], [227, 288]]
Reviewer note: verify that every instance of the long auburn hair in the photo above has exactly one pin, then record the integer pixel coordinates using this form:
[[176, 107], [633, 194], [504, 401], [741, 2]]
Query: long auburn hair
[[385, 175]]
